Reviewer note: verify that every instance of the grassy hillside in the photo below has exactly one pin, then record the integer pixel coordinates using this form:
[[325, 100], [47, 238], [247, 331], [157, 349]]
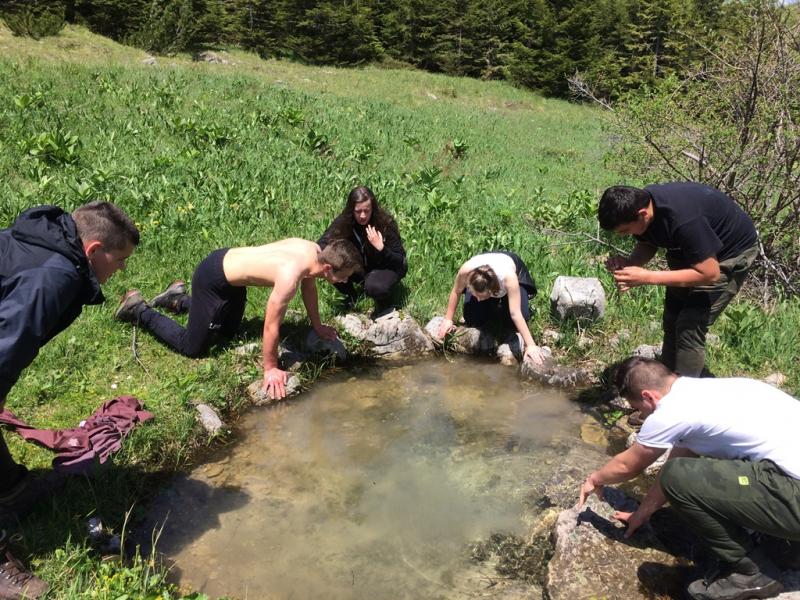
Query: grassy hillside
[[210, 155]]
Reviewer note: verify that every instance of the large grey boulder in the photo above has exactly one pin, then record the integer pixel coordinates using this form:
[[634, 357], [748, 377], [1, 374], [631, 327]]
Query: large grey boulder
[[391, 335], [578, 297], [260, 398], [592, 559], [464, 340]]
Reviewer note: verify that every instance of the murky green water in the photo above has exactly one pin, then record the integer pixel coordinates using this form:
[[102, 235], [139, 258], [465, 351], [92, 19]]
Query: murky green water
[[371, 485]]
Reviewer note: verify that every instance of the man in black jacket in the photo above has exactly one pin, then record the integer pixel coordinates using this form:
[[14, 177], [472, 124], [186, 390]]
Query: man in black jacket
[[51, 264]]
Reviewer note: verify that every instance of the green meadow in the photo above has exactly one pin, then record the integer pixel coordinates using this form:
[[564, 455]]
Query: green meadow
[[204, 156]]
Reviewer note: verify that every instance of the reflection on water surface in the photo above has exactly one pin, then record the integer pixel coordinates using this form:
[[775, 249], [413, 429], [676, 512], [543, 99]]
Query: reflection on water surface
[[371, 485]]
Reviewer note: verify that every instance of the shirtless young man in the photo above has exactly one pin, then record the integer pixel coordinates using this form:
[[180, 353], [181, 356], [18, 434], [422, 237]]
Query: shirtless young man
[[219, 292]]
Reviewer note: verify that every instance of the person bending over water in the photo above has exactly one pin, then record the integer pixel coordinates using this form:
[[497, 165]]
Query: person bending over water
[[496, 286], [374, 232], [219, 291]]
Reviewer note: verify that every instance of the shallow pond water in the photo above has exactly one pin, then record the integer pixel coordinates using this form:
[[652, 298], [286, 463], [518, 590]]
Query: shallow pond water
[[371, 485]]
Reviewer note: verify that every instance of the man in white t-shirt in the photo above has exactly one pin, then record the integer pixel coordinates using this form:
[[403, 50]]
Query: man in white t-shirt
[[734, 465]]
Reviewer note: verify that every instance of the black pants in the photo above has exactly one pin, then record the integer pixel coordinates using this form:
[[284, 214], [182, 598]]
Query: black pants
[[478, 313], [10, 472], [216, 307], [378, 284]]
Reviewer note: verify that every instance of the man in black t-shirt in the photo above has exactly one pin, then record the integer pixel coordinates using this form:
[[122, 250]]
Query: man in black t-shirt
[[711, 244]]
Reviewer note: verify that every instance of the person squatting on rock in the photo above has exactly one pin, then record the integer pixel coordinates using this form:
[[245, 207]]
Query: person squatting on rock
[[734, 466], [52, 263], [219, 293], [711, 244], [374, 232], [497, 287]]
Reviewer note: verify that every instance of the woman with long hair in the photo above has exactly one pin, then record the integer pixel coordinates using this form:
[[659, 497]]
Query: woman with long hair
[[374, 232], [496, 287]]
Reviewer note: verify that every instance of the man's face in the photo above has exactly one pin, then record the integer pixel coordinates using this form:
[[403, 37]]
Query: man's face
[[338, 276], [105, 263], [645, 404], [637, 227]]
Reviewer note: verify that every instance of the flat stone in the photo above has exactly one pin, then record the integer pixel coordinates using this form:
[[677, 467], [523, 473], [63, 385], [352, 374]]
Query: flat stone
[[464, 340], [246, 349], [592, 559], [391, 335], [775, 379], [149, 60], [578, 297], [551, 373], [594, 433], [648, 351], [209, 419], [260, 398]]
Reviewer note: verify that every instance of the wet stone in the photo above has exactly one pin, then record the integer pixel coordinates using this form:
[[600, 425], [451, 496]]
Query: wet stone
[[392, 335], [260, 398]]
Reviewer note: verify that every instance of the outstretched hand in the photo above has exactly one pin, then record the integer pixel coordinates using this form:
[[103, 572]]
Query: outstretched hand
[[275, 383], [445, 328], [326, 333], [587, 489], [535, 354], [633, 520], [629, 277], [375, 237]]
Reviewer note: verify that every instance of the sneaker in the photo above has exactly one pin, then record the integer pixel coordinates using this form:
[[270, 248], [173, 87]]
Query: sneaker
[[171, 298], [130, 306], [743, 580], [27, 493], [16, 582]]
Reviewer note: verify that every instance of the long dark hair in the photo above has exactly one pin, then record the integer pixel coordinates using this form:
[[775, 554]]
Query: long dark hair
[[380, 219]]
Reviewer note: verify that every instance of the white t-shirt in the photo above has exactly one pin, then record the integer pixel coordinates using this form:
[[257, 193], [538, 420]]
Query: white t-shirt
[[728, 418], [502, 265]]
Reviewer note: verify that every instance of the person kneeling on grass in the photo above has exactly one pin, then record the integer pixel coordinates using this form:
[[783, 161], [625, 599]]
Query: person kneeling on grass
[[374, 232], [52, 263], [219, 290], [497, 287], [734, 466]]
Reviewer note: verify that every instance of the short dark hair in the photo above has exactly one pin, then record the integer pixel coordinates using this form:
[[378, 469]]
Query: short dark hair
[[636, 374], [482, 279], [621, 204], [106, 223], [342, 255]]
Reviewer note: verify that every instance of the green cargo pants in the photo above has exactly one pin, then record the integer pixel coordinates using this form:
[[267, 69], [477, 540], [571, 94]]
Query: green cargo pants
[[689, 312], [719, 498]]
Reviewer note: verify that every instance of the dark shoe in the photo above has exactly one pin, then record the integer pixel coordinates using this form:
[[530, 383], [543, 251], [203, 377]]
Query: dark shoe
[[16, 582], [130, 307], [171, 299], [27, 493], [751, 577]]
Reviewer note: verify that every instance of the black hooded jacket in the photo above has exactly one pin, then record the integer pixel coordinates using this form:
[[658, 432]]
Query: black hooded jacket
[[392, 257], [45, 280]]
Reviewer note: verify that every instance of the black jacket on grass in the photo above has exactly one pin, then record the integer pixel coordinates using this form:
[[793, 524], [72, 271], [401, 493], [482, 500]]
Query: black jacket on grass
[[45, 280]]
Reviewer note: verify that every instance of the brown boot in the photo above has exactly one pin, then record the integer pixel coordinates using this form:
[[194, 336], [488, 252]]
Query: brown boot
[[171, 298], [16, 582], [130, 307]]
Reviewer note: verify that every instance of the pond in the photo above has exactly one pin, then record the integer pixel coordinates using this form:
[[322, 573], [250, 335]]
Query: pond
[[376, 483]]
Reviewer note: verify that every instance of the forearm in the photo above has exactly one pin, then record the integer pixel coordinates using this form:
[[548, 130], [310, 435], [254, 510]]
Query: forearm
[[311, 301], [452, 304], [522, 328], [681, 278], [616, 470], [270, 347]]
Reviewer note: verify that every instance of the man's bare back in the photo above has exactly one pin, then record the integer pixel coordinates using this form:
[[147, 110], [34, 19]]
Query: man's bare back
[[293, 258]]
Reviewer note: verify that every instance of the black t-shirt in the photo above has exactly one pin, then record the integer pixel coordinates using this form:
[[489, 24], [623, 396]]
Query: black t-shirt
[[695, 222]]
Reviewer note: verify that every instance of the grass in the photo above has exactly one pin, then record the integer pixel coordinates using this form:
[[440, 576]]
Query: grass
[[210, 155]]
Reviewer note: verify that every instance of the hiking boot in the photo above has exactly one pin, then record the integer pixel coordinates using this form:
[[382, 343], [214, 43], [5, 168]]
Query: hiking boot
[[16, 582], [751, 577], [130, 306], [171, 299], [27, 493]]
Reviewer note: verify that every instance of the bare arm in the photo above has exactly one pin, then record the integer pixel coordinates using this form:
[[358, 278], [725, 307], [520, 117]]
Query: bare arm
[[654, 499], [308, 289], [452, 302], [702, 273], [622, 467], [512, 289], [279, 298]]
